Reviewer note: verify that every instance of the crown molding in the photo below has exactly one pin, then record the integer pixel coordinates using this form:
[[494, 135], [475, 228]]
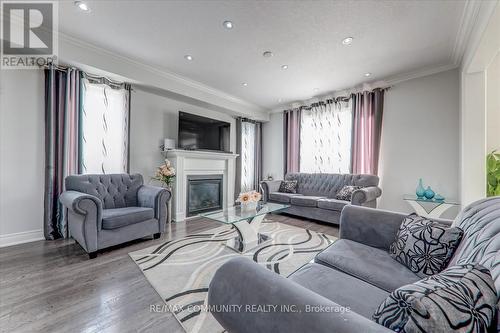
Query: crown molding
[[467, 22], [169, 75]]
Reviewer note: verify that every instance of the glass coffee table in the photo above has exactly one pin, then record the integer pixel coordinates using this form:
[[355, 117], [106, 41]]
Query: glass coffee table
[[246, 222]]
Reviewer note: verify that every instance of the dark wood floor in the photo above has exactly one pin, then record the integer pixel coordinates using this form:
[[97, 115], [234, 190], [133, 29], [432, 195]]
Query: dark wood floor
[[52, 286]]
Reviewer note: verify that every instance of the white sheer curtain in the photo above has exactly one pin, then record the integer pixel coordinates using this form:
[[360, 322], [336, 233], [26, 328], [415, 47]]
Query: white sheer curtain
[[248, 133], [325, 138], [104, 145]]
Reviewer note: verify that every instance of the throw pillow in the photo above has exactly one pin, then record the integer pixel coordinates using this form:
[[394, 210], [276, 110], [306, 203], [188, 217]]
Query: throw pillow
[[424, 246], [346, 192], [460, 299], [288, 186]]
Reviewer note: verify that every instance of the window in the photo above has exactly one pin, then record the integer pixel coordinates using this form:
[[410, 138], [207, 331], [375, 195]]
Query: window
[[248, 132], [105, 125], [325, 138]]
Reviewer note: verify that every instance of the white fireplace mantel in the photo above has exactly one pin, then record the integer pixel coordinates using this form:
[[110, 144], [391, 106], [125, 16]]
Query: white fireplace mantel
[[195, 162]]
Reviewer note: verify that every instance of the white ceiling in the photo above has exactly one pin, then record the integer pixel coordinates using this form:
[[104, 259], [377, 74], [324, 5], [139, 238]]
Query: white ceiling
[[390, 38]]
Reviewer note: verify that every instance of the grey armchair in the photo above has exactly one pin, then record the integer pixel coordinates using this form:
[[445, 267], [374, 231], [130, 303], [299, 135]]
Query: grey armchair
[[107, 210]]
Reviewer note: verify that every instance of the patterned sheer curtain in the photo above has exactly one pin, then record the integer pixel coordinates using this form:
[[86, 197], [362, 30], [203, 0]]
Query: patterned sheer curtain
[[325, 137], [105, 127], [249, 150]]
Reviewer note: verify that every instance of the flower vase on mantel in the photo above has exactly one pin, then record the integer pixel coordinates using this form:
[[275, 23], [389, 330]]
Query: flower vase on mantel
[[420, 191]]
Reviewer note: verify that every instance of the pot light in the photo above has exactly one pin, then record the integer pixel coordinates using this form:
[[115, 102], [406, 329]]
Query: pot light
[[368, 74], [280, 100], [316, 89], [83, 6], [284, 66], [227, 24], [347, 41], [267, 54], [244, 84], [188, 57]]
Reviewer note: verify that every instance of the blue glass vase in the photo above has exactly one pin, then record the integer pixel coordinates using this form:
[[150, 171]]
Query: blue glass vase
[[429, 193], [420, 191]]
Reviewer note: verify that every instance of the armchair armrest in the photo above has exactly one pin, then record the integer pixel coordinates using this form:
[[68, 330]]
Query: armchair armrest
[[366, 194], [82, 204], [269, 186], [372, 227], [155, 197], [290, 307]]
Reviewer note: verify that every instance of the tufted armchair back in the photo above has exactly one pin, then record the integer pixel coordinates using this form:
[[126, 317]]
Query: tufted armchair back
[[328, 184], [114, 190]]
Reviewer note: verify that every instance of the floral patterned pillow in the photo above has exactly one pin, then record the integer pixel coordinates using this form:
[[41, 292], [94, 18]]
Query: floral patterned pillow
[[346, 192], [462, 298], [424, 246], [288, 186]]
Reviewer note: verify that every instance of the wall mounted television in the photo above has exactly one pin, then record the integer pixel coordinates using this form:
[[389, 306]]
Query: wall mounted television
[[202, 133]]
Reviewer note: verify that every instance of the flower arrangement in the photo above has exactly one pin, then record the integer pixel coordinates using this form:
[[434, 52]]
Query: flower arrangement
[[165, 173], [250, 197]]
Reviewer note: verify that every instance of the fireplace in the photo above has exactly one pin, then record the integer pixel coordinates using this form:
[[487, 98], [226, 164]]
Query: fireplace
[[204, 193]]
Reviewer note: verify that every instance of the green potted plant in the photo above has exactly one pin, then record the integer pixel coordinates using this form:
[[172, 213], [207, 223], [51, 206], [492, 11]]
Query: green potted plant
[[493, 174]]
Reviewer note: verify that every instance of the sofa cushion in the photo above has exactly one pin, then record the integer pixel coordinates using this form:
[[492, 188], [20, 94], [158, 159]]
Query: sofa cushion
[[461, 298], [332, 204], [346, 192], [120, 217], [369, 264], [343, 289], [306, 201], [424, 246], [282, 197]]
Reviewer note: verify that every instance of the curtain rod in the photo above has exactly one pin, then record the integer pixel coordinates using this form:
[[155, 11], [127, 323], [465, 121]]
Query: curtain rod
[[89, 76]]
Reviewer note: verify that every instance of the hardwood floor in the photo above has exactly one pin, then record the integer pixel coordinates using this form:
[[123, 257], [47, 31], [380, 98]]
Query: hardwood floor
[[52, 286]]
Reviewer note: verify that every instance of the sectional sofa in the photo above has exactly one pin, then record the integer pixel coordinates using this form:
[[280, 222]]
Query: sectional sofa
[[316, 192], [355, 273]]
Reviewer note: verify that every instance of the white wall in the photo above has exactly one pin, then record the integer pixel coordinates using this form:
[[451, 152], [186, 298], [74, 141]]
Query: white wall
[[272, 148], [420, 139], [493, 106], [154, 118], [21, 155]]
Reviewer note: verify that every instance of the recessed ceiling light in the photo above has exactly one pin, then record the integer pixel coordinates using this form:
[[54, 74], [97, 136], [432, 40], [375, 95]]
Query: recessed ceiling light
[[188, 57], [284, 66], [244, 84], [267, 54], [82, 6], [280, 100], [227, 24], [316, 89], [347, 41], [368, 74]]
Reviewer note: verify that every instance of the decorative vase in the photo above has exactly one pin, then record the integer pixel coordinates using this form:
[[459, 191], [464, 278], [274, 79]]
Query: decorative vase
[[438, 197], [250, 206], [420, 192], [429, 193]]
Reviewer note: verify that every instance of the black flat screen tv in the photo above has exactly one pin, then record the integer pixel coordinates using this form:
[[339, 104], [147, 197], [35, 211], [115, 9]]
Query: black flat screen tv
[[201, 133]]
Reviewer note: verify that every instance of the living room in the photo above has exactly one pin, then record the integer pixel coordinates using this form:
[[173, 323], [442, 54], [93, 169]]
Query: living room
[[256, 166]]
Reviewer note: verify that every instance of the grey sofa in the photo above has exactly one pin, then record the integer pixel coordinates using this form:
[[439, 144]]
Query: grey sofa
[[107, 210], [315, 197], [355, 272]]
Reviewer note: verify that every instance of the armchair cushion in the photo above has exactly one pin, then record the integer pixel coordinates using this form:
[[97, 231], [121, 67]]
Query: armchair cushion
[[369, 264], [120, 217]]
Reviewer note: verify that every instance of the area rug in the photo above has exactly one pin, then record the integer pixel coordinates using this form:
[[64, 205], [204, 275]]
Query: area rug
[[180, 270]]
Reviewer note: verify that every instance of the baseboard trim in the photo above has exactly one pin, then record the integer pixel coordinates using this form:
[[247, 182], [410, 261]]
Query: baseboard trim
[[21, 237]]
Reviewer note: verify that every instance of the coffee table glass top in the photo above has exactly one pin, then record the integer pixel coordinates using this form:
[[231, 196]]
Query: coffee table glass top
[[445, 201], [235, 213]]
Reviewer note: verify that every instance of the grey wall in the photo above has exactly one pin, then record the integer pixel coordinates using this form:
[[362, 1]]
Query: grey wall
[[420, 138], [154, 118], [21, 155]]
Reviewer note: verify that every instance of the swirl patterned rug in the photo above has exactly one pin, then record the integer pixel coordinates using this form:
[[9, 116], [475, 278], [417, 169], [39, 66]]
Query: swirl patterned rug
[[181, 269]]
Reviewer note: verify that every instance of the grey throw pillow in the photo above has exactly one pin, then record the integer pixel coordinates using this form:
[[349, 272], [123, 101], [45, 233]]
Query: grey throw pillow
[[460, 299], [288, 186], [346, 192], [424, 246]]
